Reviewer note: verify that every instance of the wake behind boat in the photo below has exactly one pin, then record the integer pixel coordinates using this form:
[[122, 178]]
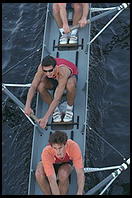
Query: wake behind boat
[[76, 130]]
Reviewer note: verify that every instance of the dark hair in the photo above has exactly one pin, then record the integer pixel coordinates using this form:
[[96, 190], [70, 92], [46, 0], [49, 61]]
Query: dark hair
[[58, 137], [48, 60]]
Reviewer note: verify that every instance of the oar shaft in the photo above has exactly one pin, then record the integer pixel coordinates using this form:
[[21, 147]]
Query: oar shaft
[[20, 104], [99, 16], [14, 98], [17, 101], [94, 18]]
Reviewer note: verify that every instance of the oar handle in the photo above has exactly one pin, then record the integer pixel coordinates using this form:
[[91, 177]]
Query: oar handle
[[34, 117], [78, 26], [122, 6]]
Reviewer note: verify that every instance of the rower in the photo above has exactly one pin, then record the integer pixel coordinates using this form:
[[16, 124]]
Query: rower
[[58, 74], [80, 17], [57, 159]]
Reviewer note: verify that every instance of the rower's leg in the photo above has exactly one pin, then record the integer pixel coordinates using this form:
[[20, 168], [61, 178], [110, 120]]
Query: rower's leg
[[77, 13], [70, 94], [56, 13], [42, 179], [71, 90], [63, 177], [43, 88]]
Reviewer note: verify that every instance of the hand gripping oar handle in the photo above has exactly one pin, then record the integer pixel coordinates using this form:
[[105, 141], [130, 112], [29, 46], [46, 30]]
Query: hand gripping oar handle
[[34, 117], [122, 6], [94, 18]]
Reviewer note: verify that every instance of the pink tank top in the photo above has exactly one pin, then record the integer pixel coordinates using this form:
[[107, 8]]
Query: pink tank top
[[70, 65]]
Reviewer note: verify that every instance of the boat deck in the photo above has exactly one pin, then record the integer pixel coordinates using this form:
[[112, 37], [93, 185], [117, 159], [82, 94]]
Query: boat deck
[[77, 129]]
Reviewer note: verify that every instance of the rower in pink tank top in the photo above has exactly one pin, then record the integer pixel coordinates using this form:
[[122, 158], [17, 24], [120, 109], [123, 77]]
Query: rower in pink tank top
[[70, 65]]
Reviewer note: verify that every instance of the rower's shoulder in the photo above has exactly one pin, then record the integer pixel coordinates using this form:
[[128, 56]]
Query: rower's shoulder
[[38, 75], [71, 142], [63, 69], [39, 70]]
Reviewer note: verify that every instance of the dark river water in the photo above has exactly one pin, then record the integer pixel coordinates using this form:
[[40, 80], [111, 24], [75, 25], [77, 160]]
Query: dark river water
[[108, 102]]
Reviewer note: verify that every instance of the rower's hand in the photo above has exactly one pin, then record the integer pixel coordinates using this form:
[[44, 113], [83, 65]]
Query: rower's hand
[[66, 28], [28, 111], [82, 22], [43, 122]]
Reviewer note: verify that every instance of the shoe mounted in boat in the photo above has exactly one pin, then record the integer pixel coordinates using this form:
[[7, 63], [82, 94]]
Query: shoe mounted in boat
[[73, 39], [56, 116], [63, 39], [68, 116]]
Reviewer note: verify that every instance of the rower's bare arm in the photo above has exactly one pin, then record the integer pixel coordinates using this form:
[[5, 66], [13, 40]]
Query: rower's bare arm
[[80, 181], [85, 10], [33, 87], [63, 77], [83, 20], [53, 185]]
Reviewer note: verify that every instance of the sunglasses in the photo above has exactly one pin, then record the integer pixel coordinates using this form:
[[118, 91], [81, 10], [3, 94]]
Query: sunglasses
[[50, 70]]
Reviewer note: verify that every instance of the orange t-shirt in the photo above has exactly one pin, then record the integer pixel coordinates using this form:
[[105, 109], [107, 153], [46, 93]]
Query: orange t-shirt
[[73, 153]]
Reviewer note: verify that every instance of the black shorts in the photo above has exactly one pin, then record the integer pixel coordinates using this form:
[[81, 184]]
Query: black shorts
[[68, 5], [57, 166], [54, 83]]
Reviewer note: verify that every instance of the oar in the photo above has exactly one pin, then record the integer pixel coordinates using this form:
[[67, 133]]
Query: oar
[[34, 117], [109, 179], [122, 6], [21, 105]]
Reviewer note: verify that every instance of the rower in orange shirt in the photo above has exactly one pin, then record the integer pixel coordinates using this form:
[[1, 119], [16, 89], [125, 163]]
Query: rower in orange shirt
[[57, 160]]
